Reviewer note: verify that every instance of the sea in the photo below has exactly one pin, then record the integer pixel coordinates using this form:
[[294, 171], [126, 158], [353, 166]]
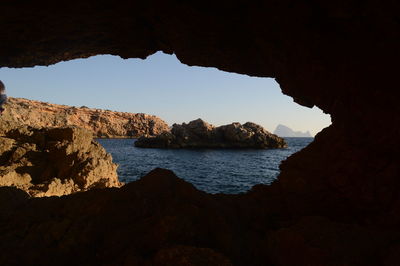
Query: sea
[[228, 171]]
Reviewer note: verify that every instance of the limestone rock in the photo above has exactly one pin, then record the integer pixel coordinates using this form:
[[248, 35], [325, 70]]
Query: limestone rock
[[102, 123], [55, 161], [200, 134]]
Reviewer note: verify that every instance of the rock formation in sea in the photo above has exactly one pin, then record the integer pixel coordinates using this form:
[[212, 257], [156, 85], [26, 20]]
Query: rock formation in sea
[[284, 131], [336, 202], [102, 123], [200, 134], [54, 162]]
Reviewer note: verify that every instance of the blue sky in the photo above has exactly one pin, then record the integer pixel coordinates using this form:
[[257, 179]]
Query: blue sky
[[162, 86]]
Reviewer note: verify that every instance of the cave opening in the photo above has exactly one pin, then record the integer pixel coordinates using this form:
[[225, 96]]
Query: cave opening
[[176, 93], [335, 203]]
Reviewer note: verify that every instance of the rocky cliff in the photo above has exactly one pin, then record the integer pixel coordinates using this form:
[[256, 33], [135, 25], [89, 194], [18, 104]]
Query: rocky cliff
[[54, 162], [102, 123], [200, 134]]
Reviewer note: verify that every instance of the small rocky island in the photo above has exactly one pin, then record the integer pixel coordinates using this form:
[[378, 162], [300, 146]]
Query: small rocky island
[[286, 132], [200, 134]]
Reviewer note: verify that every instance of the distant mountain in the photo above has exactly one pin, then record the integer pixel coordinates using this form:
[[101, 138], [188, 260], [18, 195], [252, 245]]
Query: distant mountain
[[284, 131]]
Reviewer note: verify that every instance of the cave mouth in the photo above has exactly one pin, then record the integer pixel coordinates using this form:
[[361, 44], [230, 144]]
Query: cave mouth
[[162, 86]]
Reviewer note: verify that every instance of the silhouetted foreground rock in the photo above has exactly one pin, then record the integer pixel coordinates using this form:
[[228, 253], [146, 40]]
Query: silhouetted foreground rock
[[102, 123], [163, 220], [54, 162], [200, 134], [127, 226]]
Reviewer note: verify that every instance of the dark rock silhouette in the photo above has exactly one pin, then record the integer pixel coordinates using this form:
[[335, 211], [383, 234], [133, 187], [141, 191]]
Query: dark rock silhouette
[[284, 131], [200, 134], [336, 202], [102, 123]]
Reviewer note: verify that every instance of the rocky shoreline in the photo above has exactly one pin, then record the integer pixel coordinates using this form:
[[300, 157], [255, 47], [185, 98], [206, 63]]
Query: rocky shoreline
[[102, 123], [200, 134], [54, 161]]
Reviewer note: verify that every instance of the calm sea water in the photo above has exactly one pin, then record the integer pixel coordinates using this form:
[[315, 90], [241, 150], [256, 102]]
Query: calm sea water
[[214, 171]]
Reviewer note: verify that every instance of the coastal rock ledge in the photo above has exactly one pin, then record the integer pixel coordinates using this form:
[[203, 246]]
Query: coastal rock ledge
[[200, 134], [102, 123], [54, 161]]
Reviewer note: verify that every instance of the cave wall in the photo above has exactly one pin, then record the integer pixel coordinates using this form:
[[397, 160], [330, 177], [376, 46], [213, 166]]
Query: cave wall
[[341, 56]]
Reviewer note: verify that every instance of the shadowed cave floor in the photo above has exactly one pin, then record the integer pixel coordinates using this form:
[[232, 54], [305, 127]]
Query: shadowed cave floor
[[163, 220]]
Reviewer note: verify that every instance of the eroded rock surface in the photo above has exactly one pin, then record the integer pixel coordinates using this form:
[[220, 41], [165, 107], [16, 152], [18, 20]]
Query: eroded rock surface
[[54, 162], [200, 134], [102, 123]]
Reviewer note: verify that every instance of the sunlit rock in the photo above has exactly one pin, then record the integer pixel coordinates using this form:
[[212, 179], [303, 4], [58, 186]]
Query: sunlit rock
[[54, 162], [102, 123], [200, 134]]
